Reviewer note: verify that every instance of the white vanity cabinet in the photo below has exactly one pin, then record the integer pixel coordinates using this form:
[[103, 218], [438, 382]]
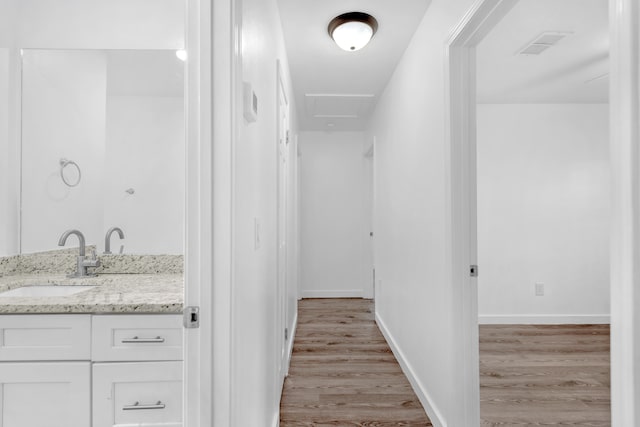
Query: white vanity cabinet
[[137, 374], [90, 370], [45, 372]]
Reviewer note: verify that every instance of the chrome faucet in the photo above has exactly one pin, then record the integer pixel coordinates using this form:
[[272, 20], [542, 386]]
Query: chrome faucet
[[107, 239], [81, 262]]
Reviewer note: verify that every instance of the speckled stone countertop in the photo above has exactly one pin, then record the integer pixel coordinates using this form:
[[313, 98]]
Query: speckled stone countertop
[[117, 289]]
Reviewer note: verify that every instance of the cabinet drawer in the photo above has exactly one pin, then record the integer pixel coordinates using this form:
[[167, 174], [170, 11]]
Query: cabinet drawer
[[130, 338], [45, 337], [137, 394]]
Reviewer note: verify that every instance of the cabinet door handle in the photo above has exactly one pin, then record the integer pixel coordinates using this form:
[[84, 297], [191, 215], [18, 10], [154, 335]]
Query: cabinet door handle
[[138, 340], [138, 406]]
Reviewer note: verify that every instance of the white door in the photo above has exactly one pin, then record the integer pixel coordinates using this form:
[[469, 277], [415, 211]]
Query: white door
[[53, 394], [283, 188], [369, 235]]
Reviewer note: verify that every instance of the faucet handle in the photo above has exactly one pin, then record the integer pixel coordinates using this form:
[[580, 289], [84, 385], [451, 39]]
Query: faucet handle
[[94, 261]]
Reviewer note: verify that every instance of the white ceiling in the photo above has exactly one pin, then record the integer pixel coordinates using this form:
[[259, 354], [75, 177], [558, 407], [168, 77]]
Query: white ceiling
[[560, 74], [335, 89]]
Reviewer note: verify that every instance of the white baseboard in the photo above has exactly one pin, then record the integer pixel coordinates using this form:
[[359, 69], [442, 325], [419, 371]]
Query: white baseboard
[[544, 319], [292, 337], [276, 419], [423, 395], [349, 293]]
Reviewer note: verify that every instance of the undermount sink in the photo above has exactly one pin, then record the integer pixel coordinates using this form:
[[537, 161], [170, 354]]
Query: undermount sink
[[45, 291]]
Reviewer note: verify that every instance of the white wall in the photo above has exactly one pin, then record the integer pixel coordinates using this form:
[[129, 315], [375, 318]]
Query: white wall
[[9, 157], [7, 20], [333, 216], [145, 152], [256, 310], [98, 24], [7, 211], [63, 116], [543, 213], [414, 302]]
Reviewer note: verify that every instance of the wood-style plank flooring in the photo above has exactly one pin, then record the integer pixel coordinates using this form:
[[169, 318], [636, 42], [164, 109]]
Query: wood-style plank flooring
[[556, 375], [343, 372]]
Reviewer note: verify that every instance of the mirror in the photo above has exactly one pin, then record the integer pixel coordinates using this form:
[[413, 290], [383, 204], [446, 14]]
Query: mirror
[[103, 145]]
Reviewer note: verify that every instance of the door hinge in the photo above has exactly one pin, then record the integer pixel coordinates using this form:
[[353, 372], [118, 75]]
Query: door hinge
[[286, 334], [191, 317], [473, 271]]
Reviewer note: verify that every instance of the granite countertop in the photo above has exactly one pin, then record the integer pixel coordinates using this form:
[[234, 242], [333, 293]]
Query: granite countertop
[[113, 293], [128, 284]]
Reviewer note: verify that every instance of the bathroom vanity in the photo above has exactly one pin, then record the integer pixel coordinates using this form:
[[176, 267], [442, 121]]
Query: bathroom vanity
[[108, 355]]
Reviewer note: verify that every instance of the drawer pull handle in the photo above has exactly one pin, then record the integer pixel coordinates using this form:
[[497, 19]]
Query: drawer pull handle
[[137, 406], [138, 340]]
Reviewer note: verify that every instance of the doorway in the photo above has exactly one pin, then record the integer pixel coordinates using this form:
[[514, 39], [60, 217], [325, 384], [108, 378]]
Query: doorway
[[542, 131], [480, 20]]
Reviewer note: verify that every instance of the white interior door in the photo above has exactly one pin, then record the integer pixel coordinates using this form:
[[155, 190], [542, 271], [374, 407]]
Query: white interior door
[[368, 233], [283, 165]]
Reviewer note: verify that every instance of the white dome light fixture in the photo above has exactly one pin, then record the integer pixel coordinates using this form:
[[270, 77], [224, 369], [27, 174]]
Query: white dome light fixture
[[352, 31]]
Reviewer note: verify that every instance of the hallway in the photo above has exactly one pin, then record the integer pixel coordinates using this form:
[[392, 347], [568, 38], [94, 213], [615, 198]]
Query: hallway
[[343, 373]]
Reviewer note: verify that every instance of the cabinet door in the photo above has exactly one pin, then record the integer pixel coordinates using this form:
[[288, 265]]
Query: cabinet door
[[55, 394], [144, 394]]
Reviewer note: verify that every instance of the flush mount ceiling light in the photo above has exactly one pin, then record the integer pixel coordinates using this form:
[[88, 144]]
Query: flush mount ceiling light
[[352, 31]]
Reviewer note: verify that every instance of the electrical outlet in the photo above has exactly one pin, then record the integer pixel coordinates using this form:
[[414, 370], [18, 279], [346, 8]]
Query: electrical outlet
[[539, 289]]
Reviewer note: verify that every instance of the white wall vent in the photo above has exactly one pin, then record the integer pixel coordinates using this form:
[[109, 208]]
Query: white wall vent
[[541, 43]]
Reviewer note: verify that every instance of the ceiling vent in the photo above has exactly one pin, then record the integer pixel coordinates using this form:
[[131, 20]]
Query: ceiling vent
[[541, 43]]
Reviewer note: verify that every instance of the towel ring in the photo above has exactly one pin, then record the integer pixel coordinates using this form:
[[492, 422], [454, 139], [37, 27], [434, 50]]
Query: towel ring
[[63, 164]]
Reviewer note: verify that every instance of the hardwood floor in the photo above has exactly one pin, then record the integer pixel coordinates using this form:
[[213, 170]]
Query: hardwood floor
[[545, 375], [343, 372]]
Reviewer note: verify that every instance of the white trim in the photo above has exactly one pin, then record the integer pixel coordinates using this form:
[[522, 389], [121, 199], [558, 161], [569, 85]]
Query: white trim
[[423, 395], [292, 338], [544, 319], [347, 293], [276, 420], [624, 128], [460, 173], [198, 343], [225, 83]]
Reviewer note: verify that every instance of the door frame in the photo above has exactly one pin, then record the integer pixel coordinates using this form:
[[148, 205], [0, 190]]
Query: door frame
[[624, 101], [461, 204], [283, 131], [212, 34], [197, 373], [625, 223]]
